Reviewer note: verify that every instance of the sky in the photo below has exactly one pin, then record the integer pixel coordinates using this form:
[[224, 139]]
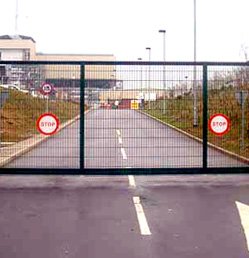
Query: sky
[[125, 28]]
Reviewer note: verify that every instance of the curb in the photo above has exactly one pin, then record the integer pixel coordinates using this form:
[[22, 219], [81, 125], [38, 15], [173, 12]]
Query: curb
[[231, 154], [25, 146]]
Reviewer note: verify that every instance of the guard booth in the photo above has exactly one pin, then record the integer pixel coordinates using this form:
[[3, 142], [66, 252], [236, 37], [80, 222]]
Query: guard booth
[[169, 117]]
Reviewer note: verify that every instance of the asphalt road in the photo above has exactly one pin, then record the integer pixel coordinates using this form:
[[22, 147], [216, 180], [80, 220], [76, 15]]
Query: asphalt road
[[75, 217], [135, 217], [129, 139], [59, 151], [121, 139]]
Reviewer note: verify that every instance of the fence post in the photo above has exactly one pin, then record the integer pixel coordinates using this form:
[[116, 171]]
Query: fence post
[[205, 116], [82, 109]]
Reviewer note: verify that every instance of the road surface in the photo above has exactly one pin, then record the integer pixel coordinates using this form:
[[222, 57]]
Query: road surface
[[121, 139], [96, 217], [59, 151], [123, 216], [129, 139]]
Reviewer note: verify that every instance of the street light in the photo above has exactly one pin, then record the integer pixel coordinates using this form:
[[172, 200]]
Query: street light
[[149, 49], [16, 18], [164, 78], [141, 74], [195, 122], [141, 97], [186, 85]]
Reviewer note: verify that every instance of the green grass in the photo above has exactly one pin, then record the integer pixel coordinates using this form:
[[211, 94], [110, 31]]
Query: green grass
[[179, 112], [21, 111]]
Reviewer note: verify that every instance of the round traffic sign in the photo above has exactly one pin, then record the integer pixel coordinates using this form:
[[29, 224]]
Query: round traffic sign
[[47, 124], [46, 88], [219, 124]]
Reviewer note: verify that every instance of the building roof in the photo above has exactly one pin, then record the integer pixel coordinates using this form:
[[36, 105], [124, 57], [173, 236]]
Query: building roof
[[22, 37], [68, 54]]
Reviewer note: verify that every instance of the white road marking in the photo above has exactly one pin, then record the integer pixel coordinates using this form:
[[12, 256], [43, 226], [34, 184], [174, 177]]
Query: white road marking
[[244, 218], [123, 153], [144, 228], [120, 140], [132, 181], [118, 132]]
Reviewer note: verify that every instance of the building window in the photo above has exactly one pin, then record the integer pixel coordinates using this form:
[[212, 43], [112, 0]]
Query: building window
[[26, 54]]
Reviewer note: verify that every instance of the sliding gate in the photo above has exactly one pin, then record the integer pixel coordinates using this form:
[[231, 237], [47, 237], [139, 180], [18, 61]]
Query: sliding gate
[[124, 117]]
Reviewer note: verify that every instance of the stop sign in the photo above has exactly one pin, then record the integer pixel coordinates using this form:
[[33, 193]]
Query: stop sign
[[219, 124], [47, 124]]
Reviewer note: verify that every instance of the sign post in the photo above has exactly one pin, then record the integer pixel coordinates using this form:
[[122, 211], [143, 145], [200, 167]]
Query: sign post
[[3, 97], [46, 90], [241, 97], [47, 124], [219, 124]]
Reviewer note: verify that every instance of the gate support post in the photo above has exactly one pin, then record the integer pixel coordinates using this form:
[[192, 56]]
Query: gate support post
[[82, 109], [205, 116]]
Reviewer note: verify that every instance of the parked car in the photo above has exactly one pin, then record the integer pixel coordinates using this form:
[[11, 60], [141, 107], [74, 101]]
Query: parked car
[[13, 87]]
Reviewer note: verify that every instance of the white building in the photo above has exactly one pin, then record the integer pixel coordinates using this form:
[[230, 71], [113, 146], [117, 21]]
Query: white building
[[23, 48]]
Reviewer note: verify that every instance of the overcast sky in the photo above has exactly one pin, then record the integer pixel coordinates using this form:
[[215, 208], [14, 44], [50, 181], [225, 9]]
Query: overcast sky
[[125, 28]]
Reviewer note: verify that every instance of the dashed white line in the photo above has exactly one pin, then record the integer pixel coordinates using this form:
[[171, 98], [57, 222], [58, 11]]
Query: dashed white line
[[123, 153], [118, 132], [132, 181], [144, 228], [120, 140]]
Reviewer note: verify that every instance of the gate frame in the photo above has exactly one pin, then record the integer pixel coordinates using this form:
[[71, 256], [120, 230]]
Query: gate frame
[[131, 171]]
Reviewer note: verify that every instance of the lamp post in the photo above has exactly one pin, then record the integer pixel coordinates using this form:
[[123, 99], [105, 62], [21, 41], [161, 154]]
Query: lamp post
[[141, 74], [164, 59], [149, 49], [186, 85], [141, 94], [16, 18], [195, 122]]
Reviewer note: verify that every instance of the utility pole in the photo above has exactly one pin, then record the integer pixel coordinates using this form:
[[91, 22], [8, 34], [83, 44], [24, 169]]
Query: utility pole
[[195, 122], [149, 49], [164, 77], [16, 19]]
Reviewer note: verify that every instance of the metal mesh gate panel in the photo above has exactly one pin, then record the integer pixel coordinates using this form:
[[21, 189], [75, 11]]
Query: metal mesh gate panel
[[123, 117], [32, 92], [144, 121], [228, 87]]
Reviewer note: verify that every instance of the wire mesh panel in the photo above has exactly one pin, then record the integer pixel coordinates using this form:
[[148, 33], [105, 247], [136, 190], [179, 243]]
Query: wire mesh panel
[[123, 117], [146, 116], [228, 89], [40, 116]]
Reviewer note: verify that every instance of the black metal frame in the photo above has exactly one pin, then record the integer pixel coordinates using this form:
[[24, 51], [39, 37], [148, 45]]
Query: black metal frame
[[128, 171]]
